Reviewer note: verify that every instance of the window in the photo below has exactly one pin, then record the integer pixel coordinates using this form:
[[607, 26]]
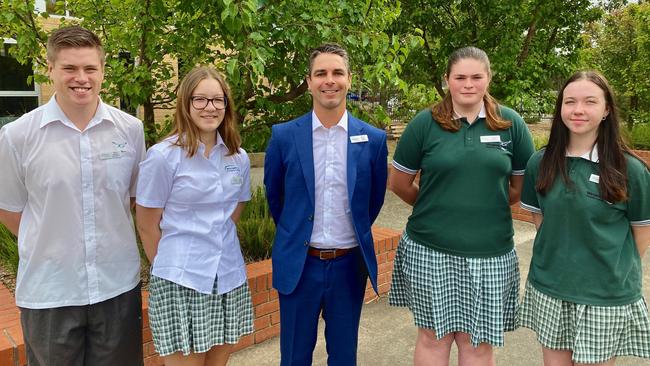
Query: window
[[16, 96], [53, 7]]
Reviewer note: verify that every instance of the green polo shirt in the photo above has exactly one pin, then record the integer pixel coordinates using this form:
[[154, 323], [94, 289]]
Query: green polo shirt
[[584, 251], [462, 206]]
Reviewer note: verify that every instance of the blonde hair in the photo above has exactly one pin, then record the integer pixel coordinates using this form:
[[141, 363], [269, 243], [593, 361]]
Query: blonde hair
[[186, 131]]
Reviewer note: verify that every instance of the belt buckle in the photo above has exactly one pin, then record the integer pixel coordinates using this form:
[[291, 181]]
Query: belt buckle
[[327, 254]]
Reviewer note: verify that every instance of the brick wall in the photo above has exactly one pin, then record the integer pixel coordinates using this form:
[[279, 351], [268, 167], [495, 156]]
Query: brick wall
[[265, 303]]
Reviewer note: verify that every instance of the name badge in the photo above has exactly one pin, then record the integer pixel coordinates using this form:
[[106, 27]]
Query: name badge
[[594, 178], [358, 138], [110, 155], [490, 138], [232, 169]]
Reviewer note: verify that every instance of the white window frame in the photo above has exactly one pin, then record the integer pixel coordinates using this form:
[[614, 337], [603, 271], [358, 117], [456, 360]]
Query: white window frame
[[21, 93], [40, 7]]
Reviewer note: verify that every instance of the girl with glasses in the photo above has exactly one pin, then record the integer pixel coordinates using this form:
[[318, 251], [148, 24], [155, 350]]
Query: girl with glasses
[[191, 192]]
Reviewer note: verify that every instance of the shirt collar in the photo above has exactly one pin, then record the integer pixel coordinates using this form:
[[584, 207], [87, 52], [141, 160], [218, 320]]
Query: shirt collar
[[220, 140], [52, 112], [315, 122], [591, 155], [481, 113]]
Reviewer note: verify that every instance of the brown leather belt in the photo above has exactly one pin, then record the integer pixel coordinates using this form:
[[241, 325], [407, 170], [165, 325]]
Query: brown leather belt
[[325, 254]]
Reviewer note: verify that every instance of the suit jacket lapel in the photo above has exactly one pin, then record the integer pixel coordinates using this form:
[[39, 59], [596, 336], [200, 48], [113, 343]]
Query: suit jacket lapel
[[355, 128], [304, 146]]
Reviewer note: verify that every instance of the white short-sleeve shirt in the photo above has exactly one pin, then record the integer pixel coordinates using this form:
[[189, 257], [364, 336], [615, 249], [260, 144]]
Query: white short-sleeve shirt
[[199, 240], [76, 239]]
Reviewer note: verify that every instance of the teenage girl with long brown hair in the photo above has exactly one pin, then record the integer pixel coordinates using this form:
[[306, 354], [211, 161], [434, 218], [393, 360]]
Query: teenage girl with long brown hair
[[590, 200]]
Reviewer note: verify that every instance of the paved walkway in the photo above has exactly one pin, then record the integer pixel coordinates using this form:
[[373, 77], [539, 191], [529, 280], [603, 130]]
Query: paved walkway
[[387, 334]]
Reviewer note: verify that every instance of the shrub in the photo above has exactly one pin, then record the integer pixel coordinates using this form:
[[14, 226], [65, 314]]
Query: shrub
[[639, 137], [256, 229], [540, 141], [8, 250]]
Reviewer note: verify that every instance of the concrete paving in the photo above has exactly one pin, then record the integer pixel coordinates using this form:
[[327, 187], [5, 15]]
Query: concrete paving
[[387, 334]]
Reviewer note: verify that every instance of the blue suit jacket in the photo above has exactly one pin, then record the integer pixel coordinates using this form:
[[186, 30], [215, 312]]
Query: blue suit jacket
[[289, 182]]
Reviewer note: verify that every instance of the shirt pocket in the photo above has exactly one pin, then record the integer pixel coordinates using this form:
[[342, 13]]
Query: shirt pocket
[[119, 169]]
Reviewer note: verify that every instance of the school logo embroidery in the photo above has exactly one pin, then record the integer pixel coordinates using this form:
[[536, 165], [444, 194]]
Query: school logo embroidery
[[120, 146]]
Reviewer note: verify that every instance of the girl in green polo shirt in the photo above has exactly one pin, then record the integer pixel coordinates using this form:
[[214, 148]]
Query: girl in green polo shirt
[[456, 268], [590, 199]]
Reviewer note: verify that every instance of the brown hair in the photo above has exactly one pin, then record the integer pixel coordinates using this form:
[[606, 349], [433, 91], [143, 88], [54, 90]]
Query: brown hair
[[332, 48], [443, 111], [611, 147], [186, 131], [73, 37]]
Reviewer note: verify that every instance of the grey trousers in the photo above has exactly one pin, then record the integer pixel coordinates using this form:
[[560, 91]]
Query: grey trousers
[[108, 333]]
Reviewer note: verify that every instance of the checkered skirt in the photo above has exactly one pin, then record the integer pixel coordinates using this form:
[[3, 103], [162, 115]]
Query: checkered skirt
[[595, 334], [446, 293], [185, 320]]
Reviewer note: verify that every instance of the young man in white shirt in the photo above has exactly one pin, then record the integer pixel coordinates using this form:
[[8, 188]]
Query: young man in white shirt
[[69, 173]]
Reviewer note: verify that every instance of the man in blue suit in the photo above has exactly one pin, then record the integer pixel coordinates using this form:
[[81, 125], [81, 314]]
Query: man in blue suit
[[325, 177]]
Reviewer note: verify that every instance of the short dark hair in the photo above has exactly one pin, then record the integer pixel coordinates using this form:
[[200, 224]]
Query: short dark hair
[[72, 37], [332, 48]]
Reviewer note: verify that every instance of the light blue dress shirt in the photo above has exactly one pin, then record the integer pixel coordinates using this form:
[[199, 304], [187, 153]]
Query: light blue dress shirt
[[199, 240]]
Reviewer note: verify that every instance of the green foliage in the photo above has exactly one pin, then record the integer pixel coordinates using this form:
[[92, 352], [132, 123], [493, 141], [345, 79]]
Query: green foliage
[[8, 250], [639, 137], [372, 113], [256, 229], [540, 141], [413, 100], [261, 46], [619, 47], [531, 43]]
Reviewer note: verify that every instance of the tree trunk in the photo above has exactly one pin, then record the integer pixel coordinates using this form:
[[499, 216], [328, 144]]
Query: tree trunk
[[634, 106], [149, 122]]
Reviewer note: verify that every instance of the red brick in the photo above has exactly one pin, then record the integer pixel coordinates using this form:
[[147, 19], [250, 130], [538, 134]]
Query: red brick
[[260, 283], [251, 285], [390, 256], [370, 296], [381, 258], [275, 317], [267, 333], [245, 341], [260, 298], [149, 349], [267, 308], [383, 288], [273, 294], [154, 361], [262, 322], [6, 351], [381, 278], [384, 267], [145, 318], [146, 335]]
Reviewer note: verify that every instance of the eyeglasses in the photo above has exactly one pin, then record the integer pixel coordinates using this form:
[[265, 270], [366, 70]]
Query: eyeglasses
[[201, 103]]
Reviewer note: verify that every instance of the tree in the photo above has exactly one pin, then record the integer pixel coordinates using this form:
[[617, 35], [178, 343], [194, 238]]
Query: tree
[[619, 47], [530, 43], [261, 45]]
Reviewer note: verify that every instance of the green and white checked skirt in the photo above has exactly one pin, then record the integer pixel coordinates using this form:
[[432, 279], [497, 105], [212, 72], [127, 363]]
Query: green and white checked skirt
[[447, 294], [595, 334], [185, 320]]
